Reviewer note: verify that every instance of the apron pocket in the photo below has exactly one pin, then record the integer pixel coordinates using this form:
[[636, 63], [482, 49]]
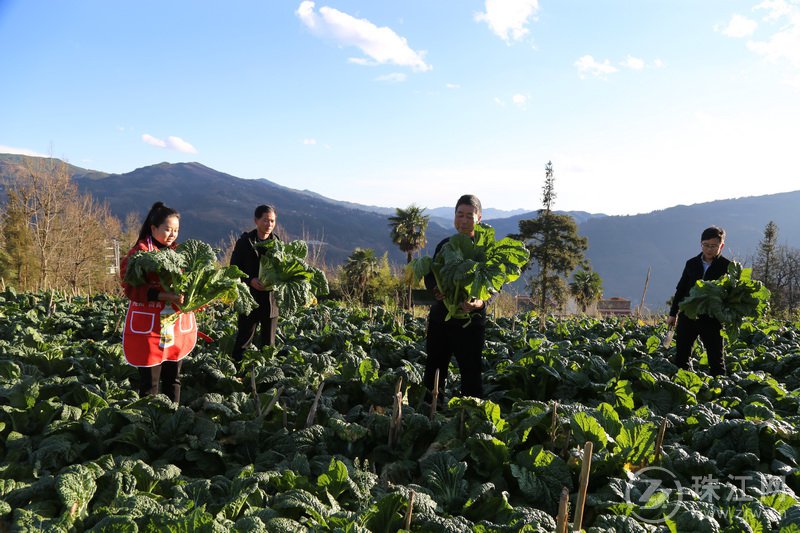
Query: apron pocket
[[142, 322]]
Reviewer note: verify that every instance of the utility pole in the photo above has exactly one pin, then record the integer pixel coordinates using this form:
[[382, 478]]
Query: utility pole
[[115, 248], [644, 293]]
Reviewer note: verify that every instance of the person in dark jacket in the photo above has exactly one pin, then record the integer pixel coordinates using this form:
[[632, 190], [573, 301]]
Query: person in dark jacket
[[246, 255], [448, 338], [708, 265]]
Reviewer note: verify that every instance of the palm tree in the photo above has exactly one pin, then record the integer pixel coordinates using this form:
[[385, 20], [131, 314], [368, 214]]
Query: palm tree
[[361, 266], [586, 287], [408, 229]]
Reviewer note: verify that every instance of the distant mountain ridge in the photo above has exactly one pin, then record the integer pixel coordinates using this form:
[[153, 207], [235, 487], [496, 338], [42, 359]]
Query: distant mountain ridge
[[443, 216], [623, 248], [215, 205]]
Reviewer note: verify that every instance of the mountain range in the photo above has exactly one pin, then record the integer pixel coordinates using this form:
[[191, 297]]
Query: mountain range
[[622, 249]]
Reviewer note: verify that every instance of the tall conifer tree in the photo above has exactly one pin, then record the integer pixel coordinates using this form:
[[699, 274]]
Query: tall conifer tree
[[555, 247]]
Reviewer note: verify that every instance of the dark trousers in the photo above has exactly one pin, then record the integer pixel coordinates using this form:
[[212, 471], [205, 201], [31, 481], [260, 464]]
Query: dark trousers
[[168, 373], [447, 339], [708, 329], [247, 329]]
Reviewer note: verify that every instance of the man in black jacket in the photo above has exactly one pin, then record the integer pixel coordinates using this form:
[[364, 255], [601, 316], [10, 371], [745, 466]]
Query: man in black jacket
[[246, 255], [708, 265]]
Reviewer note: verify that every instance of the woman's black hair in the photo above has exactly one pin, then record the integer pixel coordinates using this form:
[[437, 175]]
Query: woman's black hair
[[263, 208], [155, 217]]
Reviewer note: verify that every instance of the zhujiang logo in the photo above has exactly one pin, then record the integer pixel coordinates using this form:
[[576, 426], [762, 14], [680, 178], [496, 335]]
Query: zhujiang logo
[[653, 487]]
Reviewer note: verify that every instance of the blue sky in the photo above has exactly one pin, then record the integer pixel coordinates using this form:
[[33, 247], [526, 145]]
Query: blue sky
[[639, 104]]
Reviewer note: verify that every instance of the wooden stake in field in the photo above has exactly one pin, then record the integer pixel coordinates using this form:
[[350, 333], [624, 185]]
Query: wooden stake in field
[[396, 420], [274, 400], [313, 412], [584, 483], [409, 511], [554, 426], [255, 390], [562, 521], [660, 440], [435, 394]]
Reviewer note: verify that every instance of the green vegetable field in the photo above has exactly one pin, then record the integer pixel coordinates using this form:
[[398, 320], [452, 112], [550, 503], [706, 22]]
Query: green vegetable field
[[329, 432]]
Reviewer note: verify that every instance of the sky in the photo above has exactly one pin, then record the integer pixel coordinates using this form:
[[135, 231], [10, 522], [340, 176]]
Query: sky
[[640, 105]]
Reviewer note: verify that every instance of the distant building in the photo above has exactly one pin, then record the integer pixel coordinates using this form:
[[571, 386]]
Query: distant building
[[614, 307], [524, 302]]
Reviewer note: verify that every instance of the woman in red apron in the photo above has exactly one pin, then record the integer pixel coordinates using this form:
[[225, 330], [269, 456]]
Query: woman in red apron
[[158, 354]]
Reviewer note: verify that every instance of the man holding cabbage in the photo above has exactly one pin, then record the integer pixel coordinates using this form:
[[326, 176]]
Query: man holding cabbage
[[709, 264]]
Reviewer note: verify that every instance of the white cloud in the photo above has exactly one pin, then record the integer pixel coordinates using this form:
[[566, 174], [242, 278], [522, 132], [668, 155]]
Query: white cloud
[[520, 100], [783, 45], [178, 144], [311, 141], [589, 65], [508, 18], [452, 85], [776, 8], [171, 143], [20, 151], [657, 63], [394, 77], [306, 13], [149, 139], [381, 44], [633, 63], [739, 26]]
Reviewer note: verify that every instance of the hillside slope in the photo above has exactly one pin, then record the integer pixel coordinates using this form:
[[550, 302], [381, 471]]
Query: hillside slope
[[622, 248]]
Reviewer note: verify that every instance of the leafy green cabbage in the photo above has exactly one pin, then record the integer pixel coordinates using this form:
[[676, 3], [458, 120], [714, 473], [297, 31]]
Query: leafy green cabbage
[[472, 268], [191, 269], [284, 270], [730, 299]]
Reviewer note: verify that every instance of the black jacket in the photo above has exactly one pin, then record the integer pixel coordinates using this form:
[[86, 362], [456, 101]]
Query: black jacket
[[247, 257], [692, 272]]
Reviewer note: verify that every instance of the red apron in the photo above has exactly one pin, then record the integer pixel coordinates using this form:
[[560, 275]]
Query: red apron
[[145, 344]]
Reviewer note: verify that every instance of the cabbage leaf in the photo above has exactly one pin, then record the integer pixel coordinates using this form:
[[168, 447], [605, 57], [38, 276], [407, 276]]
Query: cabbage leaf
[[191, 269], [469, 268], [730, 299], [284, 270]]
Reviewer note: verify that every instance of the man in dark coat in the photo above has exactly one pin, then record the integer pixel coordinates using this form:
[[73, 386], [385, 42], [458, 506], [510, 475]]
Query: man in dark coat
[[708, 265], [246, 255]]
